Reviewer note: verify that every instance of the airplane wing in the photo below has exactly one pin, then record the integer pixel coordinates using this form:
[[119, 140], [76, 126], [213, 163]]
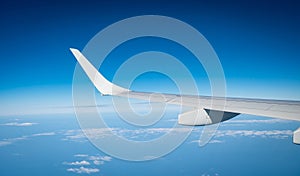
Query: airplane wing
[[206, 110]]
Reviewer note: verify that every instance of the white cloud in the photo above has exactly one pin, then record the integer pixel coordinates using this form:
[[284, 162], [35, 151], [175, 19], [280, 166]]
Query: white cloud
[[99, 133], [272, 134], [81, 155], [3, 143], [278, 134], [258, 121], [44, 134], [95, 159], [83, 170], [19, 124], [75, 136], [97, 162], [106, 158], [100, 158], [77, 163], [214, 141], [156, 132], [9, 141]]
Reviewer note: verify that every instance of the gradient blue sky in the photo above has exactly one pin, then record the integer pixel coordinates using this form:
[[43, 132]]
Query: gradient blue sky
[[257, 43]]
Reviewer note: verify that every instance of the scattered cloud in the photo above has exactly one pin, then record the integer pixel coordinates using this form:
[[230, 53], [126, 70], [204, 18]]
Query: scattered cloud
[[81, 155], [3, 143], [272, 134], [106, 158], [258, 121], [17, 124], [44, 134], [74, 136], [136, 134], [276, 134], [97, 162], [77, 163], [88, 160], [10, 141], [100, 158], [84, 170], [95, 159], [152, 133], [214, 141]]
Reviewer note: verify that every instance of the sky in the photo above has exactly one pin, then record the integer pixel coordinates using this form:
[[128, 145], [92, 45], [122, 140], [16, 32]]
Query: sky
[[257, 43]]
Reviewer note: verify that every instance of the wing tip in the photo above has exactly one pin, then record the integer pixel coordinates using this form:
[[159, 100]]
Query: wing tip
[[100, 82], [73, 50]]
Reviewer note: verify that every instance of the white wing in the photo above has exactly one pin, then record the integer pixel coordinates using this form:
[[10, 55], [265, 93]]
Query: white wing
[[207, 110]]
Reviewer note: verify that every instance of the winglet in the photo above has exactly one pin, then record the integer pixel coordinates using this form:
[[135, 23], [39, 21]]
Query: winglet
[[100, 82]]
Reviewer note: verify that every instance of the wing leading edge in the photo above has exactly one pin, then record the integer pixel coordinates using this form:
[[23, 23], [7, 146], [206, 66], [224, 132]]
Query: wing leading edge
[[206, 109]]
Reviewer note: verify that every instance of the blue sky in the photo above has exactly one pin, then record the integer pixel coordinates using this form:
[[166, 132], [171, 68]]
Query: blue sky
[[257, 43]]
